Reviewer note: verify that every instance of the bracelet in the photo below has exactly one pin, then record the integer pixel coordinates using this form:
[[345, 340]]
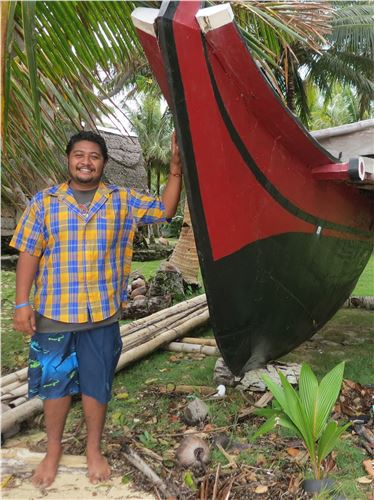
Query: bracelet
[[175, 175], [24, 304]]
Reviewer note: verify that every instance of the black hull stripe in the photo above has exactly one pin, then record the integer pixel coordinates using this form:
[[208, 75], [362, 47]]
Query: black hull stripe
[[260, 176]]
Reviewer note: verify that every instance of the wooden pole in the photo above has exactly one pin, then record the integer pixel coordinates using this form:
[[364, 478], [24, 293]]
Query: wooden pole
[[192, 348], [194, 340]]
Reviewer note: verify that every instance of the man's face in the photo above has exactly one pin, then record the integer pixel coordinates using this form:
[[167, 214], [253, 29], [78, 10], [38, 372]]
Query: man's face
[[86, 165]]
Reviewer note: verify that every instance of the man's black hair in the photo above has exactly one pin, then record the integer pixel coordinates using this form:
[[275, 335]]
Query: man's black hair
[[87, 135]]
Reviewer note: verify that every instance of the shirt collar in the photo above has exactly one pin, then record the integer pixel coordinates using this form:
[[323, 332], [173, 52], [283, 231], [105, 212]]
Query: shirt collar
[[63, 190]]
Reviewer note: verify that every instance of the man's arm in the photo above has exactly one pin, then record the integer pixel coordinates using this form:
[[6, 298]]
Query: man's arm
[[172, 191], [24, 318]]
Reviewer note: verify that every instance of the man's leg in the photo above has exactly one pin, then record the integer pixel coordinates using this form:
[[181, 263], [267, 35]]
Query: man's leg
[[55, 413], [94, 413]]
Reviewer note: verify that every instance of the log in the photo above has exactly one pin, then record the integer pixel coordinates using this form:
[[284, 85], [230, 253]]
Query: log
[[360, 302], [192, 348], [194, 340]]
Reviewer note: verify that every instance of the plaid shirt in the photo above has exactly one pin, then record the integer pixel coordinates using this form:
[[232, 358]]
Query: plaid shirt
[[85, 259]]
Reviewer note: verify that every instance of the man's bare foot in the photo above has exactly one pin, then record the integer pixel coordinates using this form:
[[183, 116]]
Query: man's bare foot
[[46, 471], [98, 467]]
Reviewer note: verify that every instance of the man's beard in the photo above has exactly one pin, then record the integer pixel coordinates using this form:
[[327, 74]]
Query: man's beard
[[87, 181]]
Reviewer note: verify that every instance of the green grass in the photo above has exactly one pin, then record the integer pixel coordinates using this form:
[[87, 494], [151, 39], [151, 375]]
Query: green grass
[[365, 285], [147, 269]]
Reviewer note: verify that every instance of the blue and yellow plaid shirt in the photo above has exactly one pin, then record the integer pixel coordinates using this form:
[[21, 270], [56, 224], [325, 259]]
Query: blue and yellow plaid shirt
[[85, 259]]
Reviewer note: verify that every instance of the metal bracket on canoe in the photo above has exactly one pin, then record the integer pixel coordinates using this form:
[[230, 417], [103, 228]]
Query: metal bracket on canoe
[[358, 171]]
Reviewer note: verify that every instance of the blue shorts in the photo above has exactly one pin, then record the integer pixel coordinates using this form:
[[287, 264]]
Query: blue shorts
[[62, 364]]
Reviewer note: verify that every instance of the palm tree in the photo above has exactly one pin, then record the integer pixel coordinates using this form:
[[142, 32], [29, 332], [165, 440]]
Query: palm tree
[[153, 128], [340, 106], [62, 59], [346, 59]]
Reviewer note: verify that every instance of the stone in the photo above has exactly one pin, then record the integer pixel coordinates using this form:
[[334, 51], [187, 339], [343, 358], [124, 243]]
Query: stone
[[137, 283], [223, 375], [196, 412], [252, 380], [163, 241], [141, 290], [167, 282]]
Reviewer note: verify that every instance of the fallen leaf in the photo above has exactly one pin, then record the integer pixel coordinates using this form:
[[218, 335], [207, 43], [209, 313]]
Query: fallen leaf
[[261, 489], [5, 481], [189, 481], [209, 427], [369, 467], [293, 452], [122, 395], [364, 480], [150, 381], [260, 459]]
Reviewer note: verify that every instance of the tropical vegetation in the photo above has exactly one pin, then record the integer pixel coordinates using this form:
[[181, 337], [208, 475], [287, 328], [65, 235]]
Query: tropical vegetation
[[63, 63]]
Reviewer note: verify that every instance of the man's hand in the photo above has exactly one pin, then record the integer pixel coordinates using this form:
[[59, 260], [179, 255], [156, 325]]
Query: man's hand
[[24, 320], [173, 187], [175, 164]]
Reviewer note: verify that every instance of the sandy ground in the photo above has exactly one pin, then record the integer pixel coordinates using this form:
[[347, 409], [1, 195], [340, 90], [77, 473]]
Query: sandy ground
[[17, 464]]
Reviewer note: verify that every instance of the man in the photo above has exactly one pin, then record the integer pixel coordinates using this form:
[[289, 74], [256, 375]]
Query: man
[[75, 242]]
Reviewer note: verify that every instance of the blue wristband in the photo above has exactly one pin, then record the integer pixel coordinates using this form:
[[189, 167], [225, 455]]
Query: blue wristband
[[22, 305]]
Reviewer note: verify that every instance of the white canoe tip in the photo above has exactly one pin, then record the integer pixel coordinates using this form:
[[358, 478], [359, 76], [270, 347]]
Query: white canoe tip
[[214, 17], [144, 19]]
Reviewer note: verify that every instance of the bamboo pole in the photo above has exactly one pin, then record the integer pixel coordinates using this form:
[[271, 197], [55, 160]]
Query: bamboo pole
[[18, 401], [19, 391], [169, 312], [14, 377], [10, 387], [20, 413], [194, 340], [146, 334], [164, 338], [192, 348]]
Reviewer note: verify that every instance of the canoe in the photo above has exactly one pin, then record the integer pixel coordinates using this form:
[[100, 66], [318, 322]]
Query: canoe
[[283, 229]]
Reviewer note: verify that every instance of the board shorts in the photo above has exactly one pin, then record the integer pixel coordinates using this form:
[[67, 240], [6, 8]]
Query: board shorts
[[63, 364]]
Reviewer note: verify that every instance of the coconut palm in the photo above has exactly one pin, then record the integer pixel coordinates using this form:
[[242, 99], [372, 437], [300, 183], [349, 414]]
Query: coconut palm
[[153, 128], [346, 59]]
